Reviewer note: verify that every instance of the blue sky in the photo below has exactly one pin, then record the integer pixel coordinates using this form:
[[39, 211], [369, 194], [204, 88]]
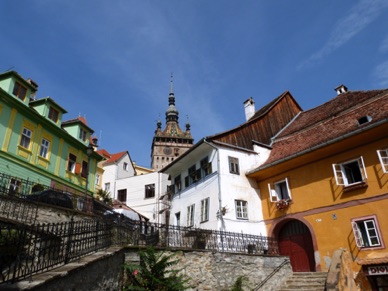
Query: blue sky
[[111, 61]]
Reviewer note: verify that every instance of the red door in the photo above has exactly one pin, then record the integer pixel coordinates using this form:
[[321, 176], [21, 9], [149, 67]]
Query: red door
[[295, 241]]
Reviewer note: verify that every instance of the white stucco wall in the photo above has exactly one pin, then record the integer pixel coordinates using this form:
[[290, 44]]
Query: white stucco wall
[[135, 186], [223, 188]]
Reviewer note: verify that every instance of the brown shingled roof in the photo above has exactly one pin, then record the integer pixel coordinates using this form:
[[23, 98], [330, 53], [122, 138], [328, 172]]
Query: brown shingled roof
[[329, 121]]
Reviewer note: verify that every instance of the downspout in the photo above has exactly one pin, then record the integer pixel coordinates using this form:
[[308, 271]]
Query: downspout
[[219, 186]]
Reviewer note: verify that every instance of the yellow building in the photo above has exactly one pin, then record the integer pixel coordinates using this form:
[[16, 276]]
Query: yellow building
[[324, 187]]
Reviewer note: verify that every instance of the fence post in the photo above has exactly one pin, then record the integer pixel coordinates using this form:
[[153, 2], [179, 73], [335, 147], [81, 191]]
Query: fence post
[[69, 241]]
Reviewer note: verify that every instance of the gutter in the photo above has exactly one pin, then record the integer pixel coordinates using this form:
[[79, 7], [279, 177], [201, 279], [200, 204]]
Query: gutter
[[319, 146]]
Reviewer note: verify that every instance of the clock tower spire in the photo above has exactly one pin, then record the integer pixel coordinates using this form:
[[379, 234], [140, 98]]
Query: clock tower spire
[[170, 143]]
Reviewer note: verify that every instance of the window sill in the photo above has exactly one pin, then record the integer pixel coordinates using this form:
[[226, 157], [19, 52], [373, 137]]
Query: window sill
[[355, 186]]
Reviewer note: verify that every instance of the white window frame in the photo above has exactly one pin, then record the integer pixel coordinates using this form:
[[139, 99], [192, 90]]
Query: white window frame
[[25, 140], [366, 232], [383, 157], [205, 210], [234, 166], [274, 190], [340, 172], [71, 164], [241, 209], [107, 187], [44, 148], [190, 215]]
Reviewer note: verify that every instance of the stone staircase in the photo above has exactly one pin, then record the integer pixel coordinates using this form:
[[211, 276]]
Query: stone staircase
[[305, 281]]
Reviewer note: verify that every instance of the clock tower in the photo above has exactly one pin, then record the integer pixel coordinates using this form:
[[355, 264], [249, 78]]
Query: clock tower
[[170, 143]]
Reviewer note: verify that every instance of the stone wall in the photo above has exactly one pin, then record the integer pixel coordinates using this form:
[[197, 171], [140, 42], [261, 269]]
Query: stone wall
[[208, 270], [218, 271]]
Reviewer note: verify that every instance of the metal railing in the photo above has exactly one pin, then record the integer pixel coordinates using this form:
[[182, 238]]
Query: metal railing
[[31, 249], [14, 187]]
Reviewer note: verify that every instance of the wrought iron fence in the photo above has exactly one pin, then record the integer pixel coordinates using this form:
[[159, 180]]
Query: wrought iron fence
[[30, 249], [171, 236], [26, 250], [14, 187]]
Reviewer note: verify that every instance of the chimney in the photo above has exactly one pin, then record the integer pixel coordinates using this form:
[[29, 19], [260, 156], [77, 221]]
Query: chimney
[[341, 89], [249, 106]]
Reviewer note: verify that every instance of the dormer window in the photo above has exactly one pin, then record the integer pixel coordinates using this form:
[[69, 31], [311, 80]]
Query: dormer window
[[82, 134], [364, 119], [19, 91], [53, 114]]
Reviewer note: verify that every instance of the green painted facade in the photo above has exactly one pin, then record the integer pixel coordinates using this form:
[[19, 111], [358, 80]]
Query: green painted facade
[[35, 145]]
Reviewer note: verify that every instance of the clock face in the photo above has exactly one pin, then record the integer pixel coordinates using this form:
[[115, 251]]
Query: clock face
[[167, 151]]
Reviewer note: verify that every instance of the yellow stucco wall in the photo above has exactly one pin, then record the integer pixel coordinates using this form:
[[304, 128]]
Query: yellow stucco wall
[[326, 209]]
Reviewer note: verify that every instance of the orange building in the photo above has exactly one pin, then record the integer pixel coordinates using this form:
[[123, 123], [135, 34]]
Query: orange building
[[324, 187]]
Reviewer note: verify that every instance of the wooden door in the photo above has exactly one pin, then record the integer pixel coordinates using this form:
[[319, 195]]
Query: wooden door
[[295, 241]]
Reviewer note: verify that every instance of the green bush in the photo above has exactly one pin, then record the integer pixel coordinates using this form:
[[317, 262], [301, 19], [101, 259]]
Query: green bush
[[155, 273]]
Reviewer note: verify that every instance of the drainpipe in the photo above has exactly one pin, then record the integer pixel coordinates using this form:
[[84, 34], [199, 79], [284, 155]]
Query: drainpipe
[[219, 185]]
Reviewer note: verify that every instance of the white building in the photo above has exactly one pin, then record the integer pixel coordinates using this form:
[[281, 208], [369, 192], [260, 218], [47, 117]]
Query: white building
[[209, 187], [140, 191]]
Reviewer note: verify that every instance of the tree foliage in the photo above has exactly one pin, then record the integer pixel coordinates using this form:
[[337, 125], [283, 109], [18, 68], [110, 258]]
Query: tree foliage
[[155, 272]]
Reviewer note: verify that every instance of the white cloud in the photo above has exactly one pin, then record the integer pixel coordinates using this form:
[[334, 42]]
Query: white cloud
[[359, 16]]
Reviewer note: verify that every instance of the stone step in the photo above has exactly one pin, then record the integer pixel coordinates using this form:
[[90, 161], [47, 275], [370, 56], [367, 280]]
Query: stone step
[[306, 281]]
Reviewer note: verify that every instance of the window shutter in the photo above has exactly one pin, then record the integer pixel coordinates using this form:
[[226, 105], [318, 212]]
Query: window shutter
[[78, 168], [272, 194], [339, 179], [383, 157], [288, 189], [357, 235], [361, 164]]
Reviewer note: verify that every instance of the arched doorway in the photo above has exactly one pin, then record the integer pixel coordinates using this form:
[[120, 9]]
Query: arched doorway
[[295, 241]]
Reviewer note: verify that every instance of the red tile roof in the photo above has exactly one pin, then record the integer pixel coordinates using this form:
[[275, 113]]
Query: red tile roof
[[115, 157], [329, 121]]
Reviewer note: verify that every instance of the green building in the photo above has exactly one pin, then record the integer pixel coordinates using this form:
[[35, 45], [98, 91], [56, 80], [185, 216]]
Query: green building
[[38, 149]]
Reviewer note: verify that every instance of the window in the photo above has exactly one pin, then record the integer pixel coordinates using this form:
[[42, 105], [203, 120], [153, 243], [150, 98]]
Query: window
[[241, 209], [97, 180], [206, 167], [19, 91], [26, 138], [82, 134], [107, 187], [190, 215], [350, 172], [178, 183], [194, 175], [122, 195], [53, 114], [383, 157], [178, 218], [280, 191], [125, 166], [44, 147], [71, 163], [85, 169], [366, 232], [150, 191], [233, 166], [205, 210], [14, 186]]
